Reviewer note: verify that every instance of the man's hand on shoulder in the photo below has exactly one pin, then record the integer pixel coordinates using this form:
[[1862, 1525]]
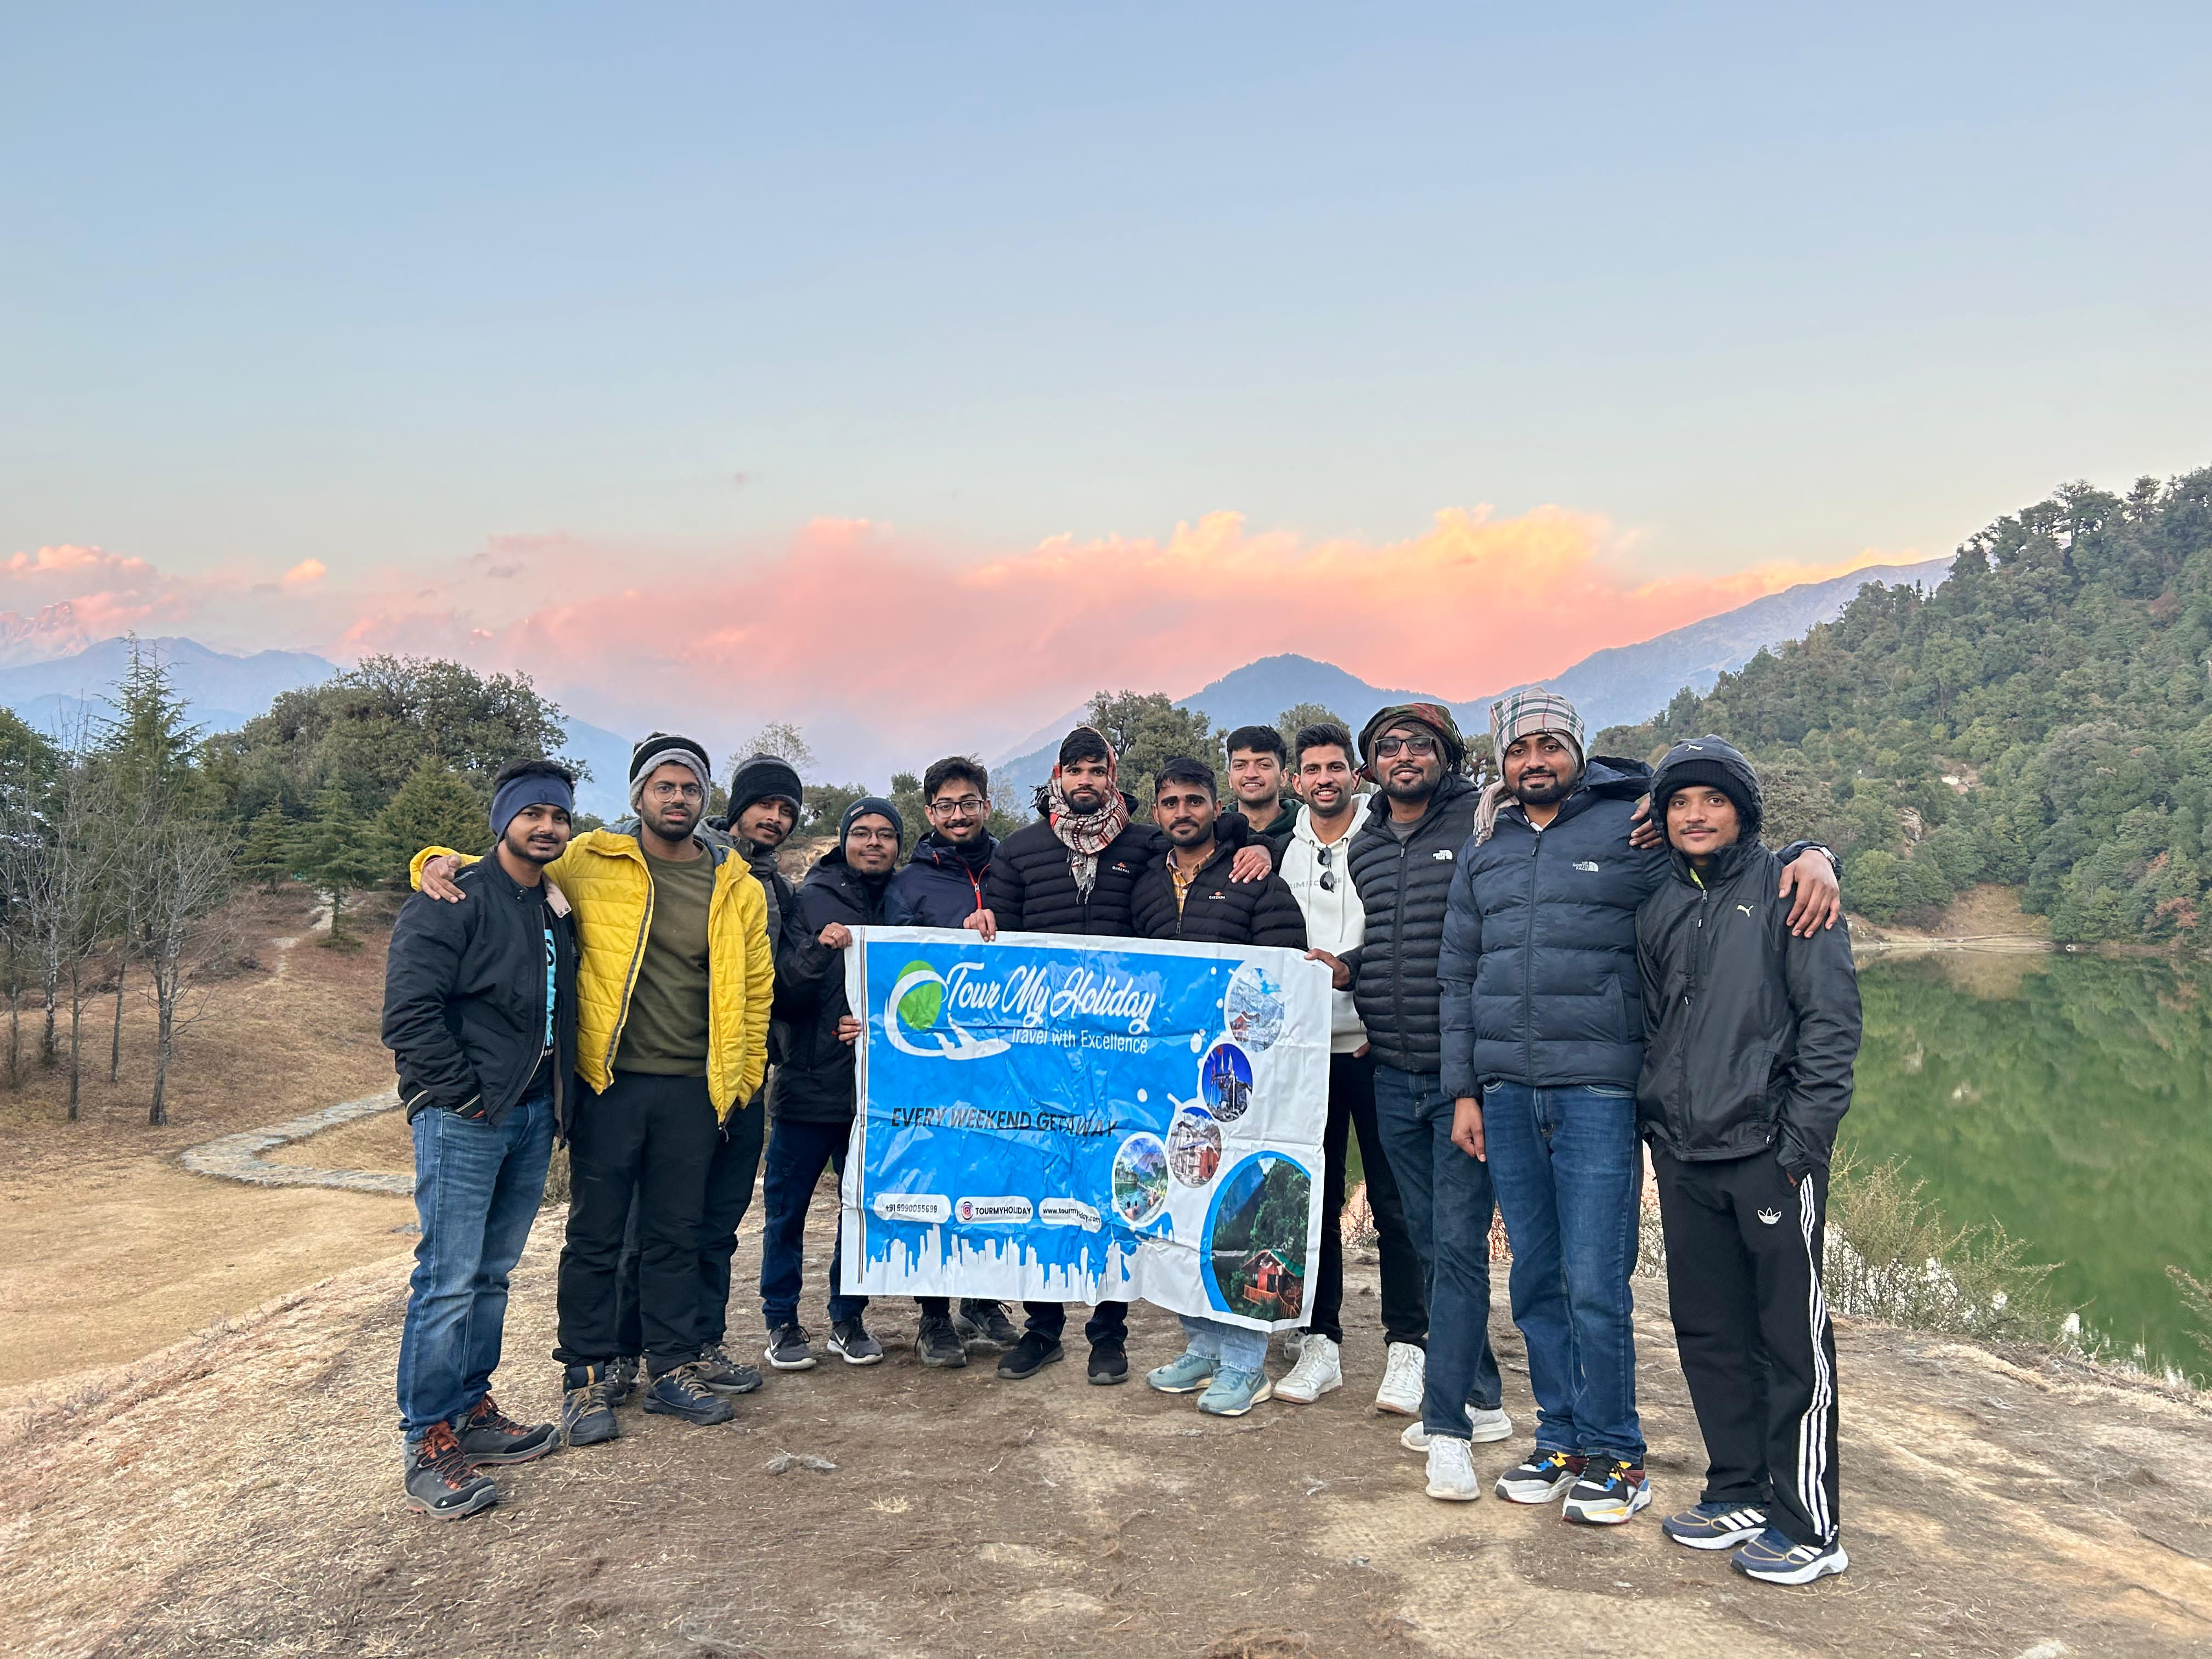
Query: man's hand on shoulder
[[1642, 833], [1253, 862], [437, 879], [1819, 901]]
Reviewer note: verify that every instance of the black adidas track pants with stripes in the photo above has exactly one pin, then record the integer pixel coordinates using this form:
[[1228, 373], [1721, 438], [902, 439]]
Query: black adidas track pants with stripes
[[1743, 1278]]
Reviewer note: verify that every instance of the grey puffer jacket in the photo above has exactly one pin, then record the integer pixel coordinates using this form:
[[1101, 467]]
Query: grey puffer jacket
[[1403, 885]]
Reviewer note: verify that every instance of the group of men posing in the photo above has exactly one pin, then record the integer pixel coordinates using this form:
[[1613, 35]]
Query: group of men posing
[[1533, 980]]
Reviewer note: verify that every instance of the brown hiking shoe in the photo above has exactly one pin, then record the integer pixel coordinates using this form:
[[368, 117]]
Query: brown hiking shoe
[[440, 1483], [490, 1435]]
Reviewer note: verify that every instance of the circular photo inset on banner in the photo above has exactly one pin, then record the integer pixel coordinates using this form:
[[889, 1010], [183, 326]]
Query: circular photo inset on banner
[[1254, 1007], [1256, 1238], [1193, 1146], [1225, 1077], [1141, 1179]]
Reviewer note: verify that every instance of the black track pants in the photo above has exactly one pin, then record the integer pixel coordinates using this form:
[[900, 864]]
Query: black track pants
[[1743, 1253]]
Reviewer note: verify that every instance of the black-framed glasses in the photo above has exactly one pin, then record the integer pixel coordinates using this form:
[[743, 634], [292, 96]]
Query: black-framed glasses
[[676, 792], [967, 806], [1421, 744]]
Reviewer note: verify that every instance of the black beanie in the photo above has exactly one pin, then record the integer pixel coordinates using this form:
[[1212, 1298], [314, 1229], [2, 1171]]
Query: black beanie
[[861, 808], [765, 777], [658, 747], [1742, 794]]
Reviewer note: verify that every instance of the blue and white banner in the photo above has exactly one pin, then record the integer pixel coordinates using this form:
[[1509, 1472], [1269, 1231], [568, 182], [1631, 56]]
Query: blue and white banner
[[1115, 1120]]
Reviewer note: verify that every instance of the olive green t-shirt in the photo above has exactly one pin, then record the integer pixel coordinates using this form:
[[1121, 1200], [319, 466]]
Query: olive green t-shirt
[[666, 1032]]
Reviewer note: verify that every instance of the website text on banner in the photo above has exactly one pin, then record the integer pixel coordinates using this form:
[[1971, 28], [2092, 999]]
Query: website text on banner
[[1059, 1123]]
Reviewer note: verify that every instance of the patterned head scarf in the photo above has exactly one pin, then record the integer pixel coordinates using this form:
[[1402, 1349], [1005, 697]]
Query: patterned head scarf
[[1434, 715], [1519, 715], [1086, 835]]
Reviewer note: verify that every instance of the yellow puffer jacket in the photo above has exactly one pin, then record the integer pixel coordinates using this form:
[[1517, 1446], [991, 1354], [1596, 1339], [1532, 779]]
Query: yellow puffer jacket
[[603, 875]]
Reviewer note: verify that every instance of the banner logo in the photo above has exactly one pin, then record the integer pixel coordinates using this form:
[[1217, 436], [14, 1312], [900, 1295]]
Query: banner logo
[[916, 1008]]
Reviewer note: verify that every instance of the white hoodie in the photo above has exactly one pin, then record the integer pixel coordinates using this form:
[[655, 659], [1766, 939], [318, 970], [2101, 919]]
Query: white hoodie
[[1336, 921]]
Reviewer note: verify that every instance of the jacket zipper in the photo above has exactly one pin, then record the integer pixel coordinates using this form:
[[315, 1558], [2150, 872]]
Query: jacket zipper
[[636, 956], [1528, 964], [1689, 1003]]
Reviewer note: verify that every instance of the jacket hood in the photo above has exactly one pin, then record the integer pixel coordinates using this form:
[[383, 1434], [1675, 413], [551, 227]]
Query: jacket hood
[[1613, 777], [944, 856]]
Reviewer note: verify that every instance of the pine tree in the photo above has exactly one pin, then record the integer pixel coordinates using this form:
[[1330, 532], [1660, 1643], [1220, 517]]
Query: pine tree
[[266, 857], [436, 807], [335, 851]]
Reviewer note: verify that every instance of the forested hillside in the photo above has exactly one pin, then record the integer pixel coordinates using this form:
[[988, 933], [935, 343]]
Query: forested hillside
[[2042, 718]]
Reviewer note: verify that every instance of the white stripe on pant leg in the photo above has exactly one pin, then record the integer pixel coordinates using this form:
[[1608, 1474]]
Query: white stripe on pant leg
[[1812, 1428]]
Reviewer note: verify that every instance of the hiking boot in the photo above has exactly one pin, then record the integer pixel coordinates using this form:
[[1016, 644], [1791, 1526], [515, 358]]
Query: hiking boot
[[1772, 1559], [587, 1405], [1187, 1373], [1110, 1362], [488, 1435], [849, 1338], [1488, 1423], [936, 1344], [1451, 1470], [1234, 1393], [1540, 1477], [985, 1321], [1610, 1491], [1714, 1526], [1318, 1370], [684, 1392], [725, 1374], [788, 1349], [622, 1378], [1031, 1355], [1404, 1372], [440, 1482]]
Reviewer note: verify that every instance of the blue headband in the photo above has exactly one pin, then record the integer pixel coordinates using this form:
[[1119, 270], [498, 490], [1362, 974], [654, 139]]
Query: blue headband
[[531, 789]]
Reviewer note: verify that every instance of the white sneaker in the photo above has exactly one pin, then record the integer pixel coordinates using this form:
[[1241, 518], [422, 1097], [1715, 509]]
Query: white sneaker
[[1415, 1438], [1451, 1471], [1318, 1370], [1404, 1374], [1488, 1425]]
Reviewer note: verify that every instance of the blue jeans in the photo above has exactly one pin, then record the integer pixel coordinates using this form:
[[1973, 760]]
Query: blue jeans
[[477, 1191], [797, 1155], [1448, 1209], [1229, 1345], [1569, 1174]]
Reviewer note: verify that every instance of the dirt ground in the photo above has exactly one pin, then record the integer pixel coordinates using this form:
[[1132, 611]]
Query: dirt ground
[[108, 1249], [237, 1494]]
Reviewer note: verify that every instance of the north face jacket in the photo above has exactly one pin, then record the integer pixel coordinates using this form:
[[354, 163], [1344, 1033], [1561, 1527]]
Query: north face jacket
[[611, 891], [1538, 966], [816, 1083], [942, 885], [1215, 909], [1753, 1033], [465, 997], [1403, 885]]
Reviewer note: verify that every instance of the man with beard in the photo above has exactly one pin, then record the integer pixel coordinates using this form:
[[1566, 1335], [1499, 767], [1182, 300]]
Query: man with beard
[[480, 1015], [1543, 1038], [942, 886], [1073, 872], [674, 989], [765, 797]]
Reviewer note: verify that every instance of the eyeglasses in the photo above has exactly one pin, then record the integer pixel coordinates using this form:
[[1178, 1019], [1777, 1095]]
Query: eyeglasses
[[967, 806], [676, 792], [1423, 745]]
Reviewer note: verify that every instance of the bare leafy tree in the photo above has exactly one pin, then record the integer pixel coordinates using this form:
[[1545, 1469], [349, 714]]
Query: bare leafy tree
[[780, 739], [183, 874]]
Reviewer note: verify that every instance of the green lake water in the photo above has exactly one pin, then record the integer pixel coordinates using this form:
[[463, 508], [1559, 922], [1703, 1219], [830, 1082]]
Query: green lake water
[[2070, 1099]]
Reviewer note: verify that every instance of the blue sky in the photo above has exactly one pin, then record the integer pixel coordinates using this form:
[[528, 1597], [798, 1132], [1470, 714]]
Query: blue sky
[[370, 286]]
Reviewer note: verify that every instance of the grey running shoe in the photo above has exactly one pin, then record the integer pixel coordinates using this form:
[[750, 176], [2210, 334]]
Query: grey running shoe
[[850, 1338], [788, 1350]]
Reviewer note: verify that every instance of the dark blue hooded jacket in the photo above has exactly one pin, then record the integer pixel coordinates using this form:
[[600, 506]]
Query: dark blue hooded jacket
[[942, 884], [1538, 972]]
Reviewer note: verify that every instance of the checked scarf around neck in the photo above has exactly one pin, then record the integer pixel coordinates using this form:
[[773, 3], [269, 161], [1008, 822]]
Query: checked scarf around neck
[[1086, 835]]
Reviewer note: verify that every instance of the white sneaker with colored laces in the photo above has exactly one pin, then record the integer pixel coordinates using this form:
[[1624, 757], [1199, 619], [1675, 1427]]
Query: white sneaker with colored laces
[[1451, 1471], [1318, 1370], [1404, 1374]]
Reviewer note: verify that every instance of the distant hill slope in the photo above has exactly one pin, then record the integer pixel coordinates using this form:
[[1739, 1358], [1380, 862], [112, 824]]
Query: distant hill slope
[[222, 691], [1615, 686]]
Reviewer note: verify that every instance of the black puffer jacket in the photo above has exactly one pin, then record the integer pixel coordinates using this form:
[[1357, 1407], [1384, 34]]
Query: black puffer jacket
[[465, 997], [815, 1083], [1216, 910], [1753, 1033], [1403, 885]]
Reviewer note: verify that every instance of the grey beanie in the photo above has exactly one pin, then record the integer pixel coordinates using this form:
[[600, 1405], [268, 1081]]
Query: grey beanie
[[660, 749]]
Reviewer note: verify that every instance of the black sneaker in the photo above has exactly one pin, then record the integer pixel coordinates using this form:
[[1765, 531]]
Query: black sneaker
[[622, 1379], [440, 1482], [490, 1435], [788, 1349], [1610, 1491], [1109, 1362], [937, 1346], [849, 1338], [725, 1374], [1031, 1355], [587, 1405], [683, 1392], [1539, 1476], [985, 1323]]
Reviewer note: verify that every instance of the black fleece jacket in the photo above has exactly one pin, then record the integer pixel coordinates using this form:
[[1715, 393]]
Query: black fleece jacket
[[816, 1083], [1216, 910]]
